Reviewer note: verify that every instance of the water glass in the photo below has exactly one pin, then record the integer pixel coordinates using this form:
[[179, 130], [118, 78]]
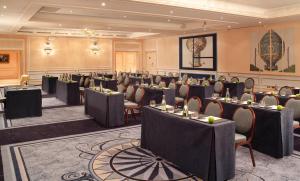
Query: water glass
[[152, 103], [171, 109], [195, 115]]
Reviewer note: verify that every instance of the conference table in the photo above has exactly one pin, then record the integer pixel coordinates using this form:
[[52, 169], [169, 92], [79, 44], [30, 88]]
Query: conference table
[[196, 90], [77, 77], [49, 84], [156, 93], [134, 80], [22, 102], [106, 107], [204, 150], [235, 89], [110, 76], [168, 79], [68, 92], [273, 133], [282, 99], [107, 83]]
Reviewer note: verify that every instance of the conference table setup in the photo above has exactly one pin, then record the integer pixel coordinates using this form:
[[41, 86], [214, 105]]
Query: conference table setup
[[107, 83], [139, 80], [49, 84], [68, 92]]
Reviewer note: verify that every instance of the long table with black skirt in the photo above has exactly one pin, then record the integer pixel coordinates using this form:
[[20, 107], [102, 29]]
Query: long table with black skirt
[[273, 133], [155, 93], [22, 102], [168, 79], [282, 99], [49, 84], [198, 91], [110, 76], [235, 89], [106, 108], [134, 80], [68, 92], [77, 77], [107, 83], [204, 150]]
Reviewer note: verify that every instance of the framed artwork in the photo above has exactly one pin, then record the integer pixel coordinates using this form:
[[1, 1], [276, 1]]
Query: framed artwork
[[198, 52], [4, 58]]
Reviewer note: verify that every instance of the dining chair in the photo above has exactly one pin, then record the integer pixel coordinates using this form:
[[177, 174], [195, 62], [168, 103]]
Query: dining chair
[[248, 96], [249, 85], [131, 107], [162, 84], [172, 85], [244, 118], [176, 74], [157, 79], [205, 83], [121, 88], [119, 79], [170, 74], [81, 81], [218, 88], [235, 79], [129, 92], [126, 81], [183, 94], [184, 78], [294, 104], [222, 78], [86, 82], [194, 104], [285, 91], [270, 100], [214, 108]]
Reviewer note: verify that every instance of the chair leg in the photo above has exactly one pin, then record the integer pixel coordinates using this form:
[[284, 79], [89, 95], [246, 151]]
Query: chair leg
[[252, 156], [133, 114], [126, 116]]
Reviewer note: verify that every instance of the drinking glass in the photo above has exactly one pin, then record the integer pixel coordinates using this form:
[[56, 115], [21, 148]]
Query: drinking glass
[[152, 103], [171, 109], [195, 115]]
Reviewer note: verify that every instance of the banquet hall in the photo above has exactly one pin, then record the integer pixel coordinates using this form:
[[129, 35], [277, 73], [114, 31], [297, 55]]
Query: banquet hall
[[138, 90]]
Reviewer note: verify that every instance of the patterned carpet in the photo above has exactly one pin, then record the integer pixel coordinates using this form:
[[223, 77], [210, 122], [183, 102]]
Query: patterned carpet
[[115, 155]]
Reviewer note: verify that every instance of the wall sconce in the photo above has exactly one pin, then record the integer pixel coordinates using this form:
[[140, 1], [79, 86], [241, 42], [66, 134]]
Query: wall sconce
[[95, 48], [48, 49]]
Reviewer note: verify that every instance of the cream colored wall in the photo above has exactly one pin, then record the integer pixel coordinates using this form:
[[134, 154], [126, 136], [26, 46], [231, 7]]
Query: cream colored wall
[[10, 70]]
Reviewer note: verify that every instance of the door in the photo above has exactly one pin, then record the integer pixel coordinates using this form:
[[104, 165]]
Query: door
[[126, 61]]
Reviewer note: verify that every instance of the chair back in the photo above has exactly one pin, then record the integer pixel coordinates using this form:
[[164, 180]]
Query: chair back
[[129, 92], [119, 79], [294, 104], [184, 78], [183, 90], [172, 85], [194, 81], [235, 79], [205, 83], [170, 74], [222, 78], [87, 82], [126, 81], [176, 74], [249, 85], [81, 81], [270, 100], [92, 83], [214, 108], [244, 118], [139, 95], [247, 96], [194, 104], [285, 91], [219, 86], [157, 79], [121, 88], [162, 84]]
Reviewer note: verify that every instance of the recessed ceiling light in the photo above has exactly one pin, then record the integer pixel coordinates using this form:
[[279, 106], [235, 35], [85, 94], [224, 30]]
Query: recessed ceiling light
[[221, 18], [103, 4], [4, 6], [229, 26], [259, 22], [171, 12], [71, 11], [169, 20], [124, 16], [2, 15], [59, 24]]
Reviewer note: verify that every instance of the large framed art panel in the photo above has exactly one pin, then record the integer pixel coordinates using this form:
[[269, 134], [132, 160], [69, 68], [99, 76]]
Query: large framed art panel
[[198, 52]]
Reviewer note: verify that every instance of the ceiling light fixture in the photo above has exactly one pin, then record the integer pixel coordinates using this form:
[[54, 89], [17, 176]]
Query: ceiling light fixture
[[221, 18], [59, 25], [48, 49], [124, 16], [71, 11], [2, 15], [169, 20], [4, 7], [171, 12], [103, 4], [228, 26], [259, 22], [95, 48]]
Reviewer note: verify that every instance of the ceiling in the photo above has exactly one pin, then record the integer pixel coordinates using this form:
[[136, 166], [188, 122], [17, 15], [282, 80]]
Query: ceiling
[[138, 18]]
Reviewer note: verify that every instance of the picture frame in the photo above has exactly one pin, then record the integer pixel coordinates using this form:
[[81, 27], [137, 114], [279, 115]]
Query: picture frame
[[4, 58], [198, 52]]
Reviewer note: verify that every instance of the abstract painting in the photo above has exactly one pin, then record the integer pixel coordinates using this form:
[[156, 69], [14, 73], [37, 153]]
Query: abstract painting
[[272, 50], [198, 52]]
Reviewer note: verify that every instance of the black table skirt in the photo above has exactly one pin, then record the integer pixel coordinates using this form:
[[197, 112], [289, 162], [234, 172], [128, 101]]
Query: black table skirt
[[204, 150], [68, 92], [108, 110], [235, 89], [273, 131], [168, 79], [49, 84], [105, 75], [22, 103], [77, 77], [157, 94], [107, 83], [198, 91], [134, 80]]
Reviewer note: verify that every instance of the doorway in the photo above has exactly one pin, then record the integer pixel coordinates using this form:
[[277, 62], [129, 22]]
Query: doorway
[[126, 61]]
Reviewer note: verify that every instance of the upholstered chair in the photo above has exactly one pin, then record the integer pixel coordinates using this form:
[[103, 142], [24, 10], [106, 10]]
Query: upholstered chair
[[235, 79], [157, 79], [172, 85], [126, 81], [170, 74], [176, 74], [162, 84], [244, 118], [270, 100], [121, 88], [183, 94], [129, 92], [86, 82], [285, 91], [81, 81], [222, 78], [194, 81], [249, 85], [247, 96], [294, 104], [194, 104], [214, 108], [134, 106], [120, 79], [184, 78], [205, 83], [218, 88]]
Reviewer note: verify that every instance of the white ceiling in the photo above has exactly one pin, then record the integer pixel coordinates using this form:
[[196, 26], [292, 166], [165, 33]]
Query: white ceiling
[[139, 18]]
